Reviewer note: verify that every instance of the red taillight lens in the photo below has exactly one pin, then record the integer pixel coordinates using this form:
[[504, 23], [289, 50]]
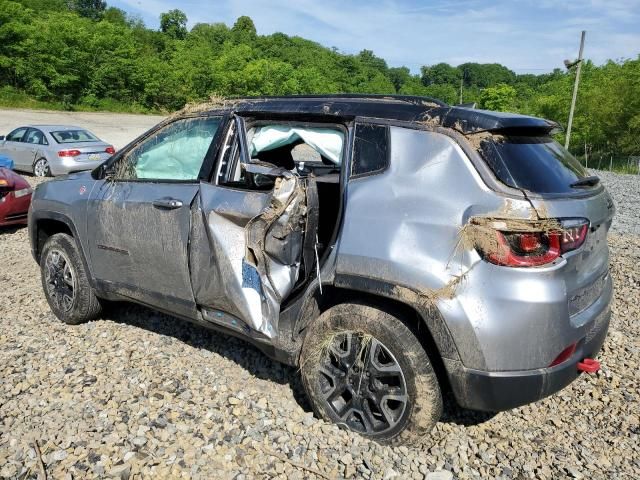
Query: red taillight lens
[[574, 233], [530, 249], [564, 355], [69, 153], [110, 150]]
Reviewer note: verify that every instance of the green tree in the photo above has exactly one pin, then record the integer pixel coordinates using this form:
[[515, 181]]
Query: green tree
[[441, 73], [115, 15], [485, 74], [92, 9], [174, 24], [501, 97], [399, 76], [244, 30]]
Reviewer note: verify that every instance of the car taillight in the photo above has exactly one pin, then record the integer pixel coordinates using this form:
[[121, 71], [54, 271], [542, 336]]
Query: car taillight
[[69, 153], [110, 150], [532, 249], [574, 233], [529, 249]]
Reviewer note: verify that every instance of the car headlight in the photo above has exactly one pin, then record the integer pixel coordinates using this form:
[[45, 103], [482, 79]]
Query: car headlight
[[22, 192]]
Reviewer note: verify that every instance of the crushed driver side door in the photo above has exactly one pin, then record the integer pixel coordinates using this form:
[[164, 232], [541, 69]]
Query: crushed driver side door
[[250, 243]]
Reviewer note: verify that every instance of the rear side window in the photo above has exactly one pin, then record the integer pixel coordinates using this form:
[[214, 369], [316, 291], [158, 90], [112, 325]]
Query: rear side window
[[370, 150], [538, 164]]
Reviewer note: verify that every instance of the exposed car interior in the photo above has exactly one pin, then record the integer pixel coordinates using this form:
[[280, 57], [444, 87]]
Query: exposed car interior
[[304, 149]]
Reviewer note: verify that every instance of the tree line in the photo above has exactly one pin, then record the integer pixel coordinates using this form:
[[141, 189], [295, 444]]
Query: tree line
[[83, 54]]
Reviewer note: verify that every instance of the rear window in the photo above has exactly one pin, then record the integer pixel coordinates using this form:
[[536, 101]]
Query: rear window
[[535, 163], [370, 150], [73, 136]]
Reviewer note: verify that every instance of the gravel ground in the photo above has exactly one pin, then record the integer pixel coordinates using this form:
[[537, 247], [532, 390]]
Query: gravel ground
[[115, 128], [626, 195], [139, 394]]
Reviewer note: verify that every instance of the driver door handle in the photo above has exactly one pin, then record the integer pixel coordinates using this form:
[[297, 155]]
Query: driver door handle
[[167, 203]]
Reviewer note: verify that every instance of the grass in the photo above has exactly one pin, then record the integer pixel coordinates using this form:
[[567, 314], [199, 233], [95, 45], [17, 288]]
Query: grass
[[13, 98], [616, 164]]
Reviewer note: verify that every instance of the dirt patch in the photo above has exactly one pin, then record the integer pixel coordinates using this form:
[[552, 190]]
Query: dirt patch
[[214, 102], [476, 139], [480, 231], [430, 122]]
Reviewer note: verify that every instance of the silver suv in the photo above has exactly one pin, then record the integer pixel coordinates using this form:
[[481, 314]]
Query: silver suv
[[393, 248]]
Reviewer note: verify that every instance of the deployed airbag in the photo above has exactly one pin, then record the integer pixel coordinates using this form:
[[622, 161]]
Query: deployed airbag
[[326, 141]]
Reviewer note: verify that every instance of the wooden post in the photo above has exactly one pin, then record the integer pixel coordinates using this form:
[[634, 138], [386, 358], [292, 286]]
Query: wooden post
[[575, 91]]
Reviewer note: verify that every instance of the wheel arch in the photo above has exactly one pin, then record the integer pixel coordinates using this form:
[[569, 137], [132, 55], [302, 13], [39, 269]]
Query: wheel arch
[[44, 225], [426, 323]]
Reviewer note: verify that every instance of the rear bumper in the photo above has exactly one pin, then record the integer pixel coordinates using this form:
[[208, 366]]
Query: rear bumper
[[496, 391], [67, 165]]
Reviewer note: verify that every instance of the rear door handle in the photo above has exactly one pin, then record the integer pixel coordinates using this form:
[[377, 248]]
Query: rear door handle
[[167, 203]]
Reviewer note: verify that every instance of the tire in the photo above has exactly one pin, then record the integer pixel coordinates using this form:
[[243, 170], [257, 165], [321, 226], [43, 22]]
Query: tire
[[65, 282], [41, 168], [391, 393]]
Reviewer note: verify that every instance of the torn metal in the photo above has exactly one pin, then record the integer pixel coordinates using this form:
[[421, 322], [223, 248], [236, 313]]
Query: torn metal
[[256, 240]]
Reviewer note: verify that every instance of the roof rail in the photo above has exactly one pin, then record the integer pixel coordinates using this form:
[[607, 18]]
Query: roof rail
[[412, 99]]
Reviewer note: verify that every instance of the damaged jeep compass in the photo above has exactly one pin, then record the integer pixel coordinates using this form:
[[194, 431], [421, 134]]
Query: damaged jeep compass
[[392, 248]]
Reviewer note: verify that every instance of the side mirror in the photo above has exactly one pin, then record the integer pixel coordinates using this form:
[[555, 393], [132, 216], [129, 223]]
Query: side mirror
[[108, 172], [1, 137]]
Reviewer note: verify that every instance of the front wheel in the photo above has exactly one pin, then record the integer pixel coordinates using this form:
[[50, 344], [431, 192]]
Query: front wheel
[[65, 282], [365, 370], [41, 168]]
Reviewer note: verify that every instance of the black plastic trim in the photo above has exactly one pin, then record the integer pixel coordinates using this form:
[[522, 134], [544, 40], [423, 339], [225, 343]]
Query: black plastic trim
[[497, 391], [430, 316], [36, 216]]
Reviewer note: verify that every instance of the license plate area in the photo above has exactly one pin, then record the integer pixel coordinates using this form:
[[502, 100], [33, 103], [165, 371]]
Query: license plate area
[[586, 296]]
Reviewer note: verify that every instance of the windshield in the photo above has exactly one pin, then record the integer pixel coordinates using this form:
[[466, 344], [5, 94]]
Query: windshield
[[74, 136], [538, 164]]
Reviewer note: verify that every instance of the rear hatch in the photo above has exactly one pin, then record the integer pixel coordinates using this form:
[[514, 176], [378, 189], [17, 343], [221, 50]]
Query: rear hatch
[[559, 187]]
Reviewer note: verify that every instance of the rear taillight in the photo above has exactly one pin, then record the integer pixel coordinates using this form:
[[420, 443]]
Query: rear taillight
[[532, 249], [529, 249], [574, 233], [110, 150], [69, 153]]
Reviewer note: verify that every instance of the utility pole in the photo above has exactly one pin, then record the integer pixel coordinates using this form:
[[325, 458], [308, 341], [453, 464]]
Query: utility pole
[[575, 89], [461, 81]]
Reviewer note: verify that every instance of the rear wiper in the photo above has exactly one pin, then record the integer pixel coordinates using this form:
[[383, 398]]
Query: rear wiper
[[586, 182]]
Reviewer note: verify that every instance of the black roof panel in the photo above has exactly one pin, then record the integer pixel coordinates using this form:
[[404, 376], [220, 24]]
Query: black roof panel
[[391, 107]]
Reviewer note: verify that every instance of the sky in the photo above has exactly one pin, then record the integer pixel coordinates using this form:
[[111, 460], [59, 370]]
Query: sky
[[528, 36]]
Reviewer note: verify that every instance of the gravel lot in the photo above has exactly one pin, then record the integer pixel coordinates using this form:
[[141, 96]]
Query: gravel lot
[[115, 128], [141, 395]]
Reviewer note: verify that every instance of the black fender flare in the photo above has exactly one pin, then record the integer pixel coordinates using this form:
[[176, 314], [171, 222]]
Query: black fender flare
[[39, 215], [429, 315]]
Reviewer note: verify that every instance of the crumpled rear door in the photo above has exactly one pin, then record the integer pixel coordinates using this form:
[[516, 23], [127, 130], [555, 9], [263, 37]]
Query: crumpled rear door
[[246, 250]]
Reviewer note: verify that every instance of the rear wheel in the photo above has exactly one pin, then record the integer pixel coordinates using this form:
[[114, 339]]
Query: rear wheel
[[365, 370], [41, 168], [65, 283]]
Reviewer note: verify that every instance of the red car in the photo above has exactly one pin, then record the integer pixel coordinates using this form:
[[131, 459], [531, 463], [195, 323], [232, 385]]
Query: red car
[[15, 198]]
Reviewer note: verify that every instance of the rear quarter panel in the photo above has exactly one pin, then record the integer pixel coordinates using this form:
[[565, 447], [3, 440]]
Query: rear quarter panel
[[403, 227]]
